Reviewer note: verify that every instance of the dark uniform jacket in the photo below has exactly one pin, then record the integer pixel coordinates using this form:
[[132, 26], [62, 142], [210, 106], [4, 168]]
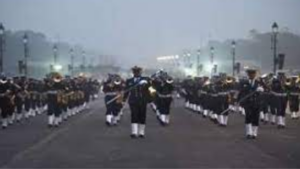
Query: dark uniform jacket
[[137, 93], [248, 95]]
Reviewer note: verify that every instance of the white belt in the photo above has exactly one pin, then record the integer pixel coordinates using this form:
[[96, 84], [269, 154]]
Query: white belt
[[52, 92], [203, 92], [295, 94], [164, 95], [223, 93], [111, 93], [279, 94]]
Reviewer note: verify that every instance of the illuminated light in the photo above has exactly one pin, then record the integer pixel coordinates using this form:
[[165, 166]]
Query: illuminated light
[[81, 74], [275, 27], [189, 72], [207, 82], [165, 58], [209, 67], [58, 67], [25, 39], [246, 67], [151, 90]]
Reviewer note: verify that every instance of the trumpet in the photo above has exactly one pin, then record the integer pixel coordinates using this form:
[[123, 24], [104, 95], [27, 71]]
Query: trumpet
[[298, 80], [229, 80], [65, 99], [288, 81], [169, 80], [117, 81], [120, 96], [163, 77], [60, 97], [114, 80]]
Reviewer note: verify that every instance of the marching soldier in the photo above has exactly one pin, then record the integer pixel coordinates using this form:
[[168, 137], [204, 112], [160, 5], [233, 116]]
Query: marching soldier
[[138, 95], [265, 98], [83, 93], [164, 88], [19, 99], [249, 99], [27, 100], [187, 86], [232, 89], [294, 90], [214, 99], [54, 91], [71, 98], [279, 101], [113, 88], [205, 95], [6, 100], [95, 89], [39, 97], [224, 100], [198, 97], [65, 101], [33, 97]]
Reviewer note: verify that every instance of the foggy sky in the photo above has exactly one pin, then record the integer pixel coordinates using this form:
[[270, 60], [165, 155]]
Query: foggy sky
[[136, 30]]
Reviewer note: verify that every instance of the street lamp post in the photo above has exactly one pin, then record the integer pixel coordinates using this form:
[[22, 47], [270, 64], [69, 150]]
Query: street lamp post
[[212, 53], [274, 45], [2, 31], [72, 62], [55, 50], [83, 61], [25, 43], [233, 47], [188, 59], [198, 62]]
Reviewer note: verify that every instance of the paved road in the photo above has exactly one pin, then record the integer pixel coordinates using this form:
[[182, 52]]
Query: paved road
[[190, 141]]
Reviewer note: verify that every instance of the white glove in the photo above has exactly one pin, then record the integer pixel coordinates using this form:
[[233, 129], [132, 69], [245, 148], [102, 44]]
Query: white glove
[[260, 89], [142, 82]]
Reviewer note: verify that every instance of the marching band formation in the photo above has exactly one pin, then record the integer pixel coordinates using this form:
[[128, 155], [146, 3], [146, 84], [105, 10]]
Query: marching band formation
[[138, 91], [22, 98], [265, 98]]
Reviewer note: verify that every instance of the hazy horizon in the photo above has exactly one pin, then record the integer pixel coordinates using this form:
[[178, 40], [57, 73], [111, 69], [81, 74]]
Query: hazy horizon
[[139, 30]]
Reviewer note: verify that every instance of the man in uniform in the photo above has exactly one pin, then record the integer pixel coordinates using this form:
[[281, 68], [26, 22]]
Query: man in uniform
[[19, 99], [164, 88], [225, 97], [279, 101], [249, 99], [213, 102], [294, 92], [205, 97], [138, 95], [113, 88], [265, 98], [6, 100], [54, 91], [186, 88]]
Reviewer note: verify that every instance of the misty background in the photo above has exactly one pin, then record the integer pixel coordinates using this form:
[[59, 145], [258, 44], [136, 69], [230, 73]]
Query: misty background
[[124, 33]]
